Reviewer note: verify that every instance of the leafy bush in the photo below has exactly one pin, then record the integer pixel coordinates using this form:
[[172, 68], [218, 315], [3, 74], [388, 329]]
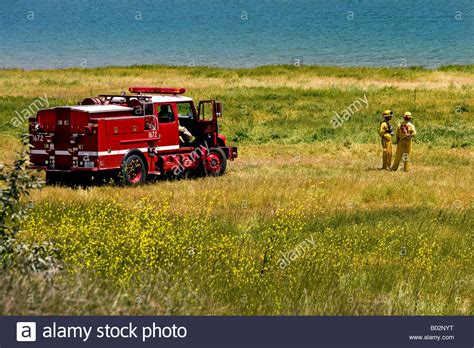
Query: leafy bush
[[16, 181]]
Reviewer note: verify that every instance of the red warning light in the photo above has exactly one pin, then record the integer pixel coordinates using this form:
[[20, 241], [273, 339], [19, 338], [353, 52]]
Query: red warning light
[[160, 90]]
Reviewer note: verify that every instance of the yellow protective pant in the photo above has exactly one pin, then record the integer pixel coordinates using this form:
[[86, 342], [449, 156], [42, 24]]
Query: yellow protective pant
[[403, 152], [387, 153], [185, 135]]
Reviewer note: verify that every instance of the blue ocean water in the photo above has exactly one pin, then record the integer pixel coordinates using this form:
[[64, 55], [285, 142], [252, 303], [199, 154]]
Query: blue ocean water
[[235, 33]]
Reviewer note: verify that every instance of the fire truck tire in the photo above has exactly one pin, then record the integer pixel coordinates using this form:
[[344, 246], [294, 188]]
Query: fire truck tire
[[133, 170], [215, 163]]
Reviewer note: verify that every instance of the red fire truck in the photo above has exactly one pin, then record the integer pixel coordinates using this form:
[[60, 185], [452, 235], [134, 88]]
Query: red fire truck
[[151, 131]]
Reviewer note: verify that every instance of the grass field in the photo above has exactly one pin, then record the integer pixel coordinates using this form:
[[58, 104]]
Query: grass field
[[303, 223]]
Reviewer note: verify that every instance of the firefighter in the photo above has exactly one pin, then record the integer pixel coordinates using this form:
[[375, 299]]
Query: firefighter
[[165, 114], [185, 136], [405, 133], [386, 132]]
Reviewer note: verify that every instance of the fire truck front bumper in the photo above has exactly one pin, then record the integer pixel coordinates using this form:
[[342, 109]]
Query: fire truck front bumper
[[230, 152]]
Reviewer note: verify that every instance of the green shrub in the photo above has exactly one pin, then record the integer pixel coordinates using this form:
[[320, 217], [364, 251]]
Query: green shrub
[[16, 182]]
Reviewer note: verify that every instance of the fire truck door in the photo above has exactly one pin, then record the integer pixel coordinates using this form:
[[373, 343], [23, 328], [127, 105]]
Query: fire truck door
[[167, 126], [207, 121]]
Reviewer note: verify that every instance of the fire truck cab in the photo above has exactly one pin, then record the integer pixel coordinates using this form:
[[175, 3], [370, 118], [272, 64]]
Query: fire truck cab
[[152, 131]]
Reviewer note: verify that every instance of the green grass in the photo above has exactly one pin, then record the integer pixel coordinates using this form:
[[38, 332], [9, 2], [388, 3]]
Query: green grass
[[292, 116], [381, 243], [388, 261]]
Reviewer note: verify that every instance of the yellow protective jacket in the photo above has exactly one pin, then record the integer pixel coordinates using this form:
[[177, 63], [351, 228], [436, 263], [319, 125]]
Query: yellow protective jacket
[[406, 130], [385, 130]]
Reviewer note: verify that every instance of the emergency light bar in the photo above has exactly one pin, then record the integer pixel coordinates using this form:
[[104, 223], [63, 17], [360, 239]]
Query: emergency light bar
[[161, 90]]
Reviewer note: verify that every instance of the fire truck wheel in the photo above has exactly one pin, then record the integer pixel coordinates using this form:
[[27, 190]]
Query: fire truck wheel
[[133, 170], [215, 163]]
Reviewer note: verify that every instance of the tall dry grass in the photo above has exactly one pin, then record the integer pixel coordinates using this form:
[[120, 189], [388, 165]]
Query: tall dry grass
[[376, 242]]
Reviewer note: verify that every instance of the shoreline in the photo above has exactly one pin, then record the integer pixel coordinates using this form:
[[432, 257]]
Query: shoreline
[[447, 67]]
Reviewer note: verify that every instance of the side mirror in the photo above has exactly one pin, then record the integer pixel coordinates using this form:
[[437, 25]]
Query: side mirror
[[218, 109]]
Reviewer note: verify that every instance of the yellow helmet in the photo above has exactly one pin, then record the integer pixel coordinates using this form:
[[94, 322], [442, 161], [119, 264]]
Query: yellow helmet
[[387, 113], [407, 115]]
